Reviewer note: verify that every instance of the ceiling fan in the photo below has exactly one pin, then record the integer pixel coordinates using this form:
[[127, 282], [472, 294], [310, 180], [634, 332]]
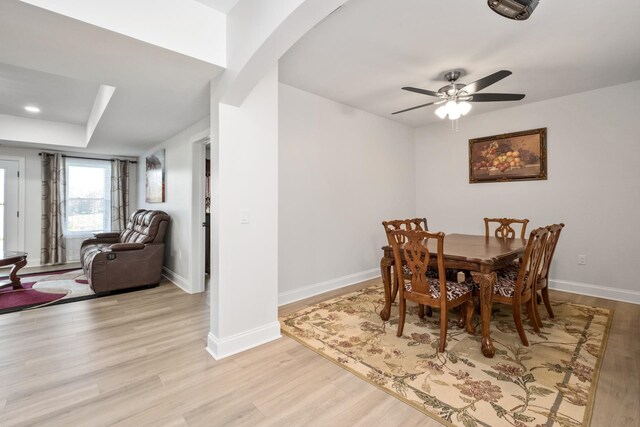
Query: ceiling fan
[[456, 96]]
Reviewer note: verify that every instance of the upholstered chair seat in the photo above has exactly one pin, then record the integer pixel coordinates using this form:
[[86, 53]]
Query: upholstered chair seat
[[454, 289], [506, 285]]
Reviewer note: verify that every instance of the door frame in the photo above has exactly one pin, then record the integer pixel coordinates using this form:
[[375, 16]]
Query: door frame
[[21, 198], [196, 269]]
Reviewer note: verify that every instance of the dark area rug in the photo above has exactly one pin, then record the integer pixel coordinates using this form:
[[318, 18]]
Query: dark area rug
[[49, 288], [28, 297]]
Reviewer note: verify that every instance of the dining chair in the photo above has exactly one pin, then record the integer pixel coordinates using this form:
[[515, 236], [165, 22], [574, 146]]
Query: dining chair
[[417, 224], [504, 228], [428, 291], [542, 284], [521, 289]]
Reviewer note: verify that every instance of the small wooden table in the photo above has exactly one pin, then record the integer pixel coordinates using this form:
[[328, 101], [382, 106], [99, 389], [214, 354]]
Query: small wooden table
[[479, 254], [18, 260]]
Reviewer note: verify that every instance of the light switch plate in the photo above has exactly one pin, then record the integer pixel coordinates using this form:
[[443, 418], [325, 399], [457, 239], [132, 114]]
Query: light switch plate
[[244, 216]]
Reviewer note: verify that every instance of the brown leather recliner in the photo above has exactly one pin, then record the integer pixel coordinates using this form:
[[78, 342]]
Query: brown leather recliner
[[132, 258]]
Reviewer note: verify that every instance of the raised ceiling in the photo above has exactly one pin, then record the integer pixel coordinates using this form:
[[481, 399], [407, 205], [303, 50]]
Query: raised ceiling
[[60, 99], [365, 52], [158, 92]]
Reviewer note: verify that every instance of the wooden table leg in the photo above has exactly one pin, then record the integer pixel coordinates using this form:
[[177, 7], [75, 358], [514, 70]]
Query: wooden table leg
[[487, 282], [13, 275], [385, 269]]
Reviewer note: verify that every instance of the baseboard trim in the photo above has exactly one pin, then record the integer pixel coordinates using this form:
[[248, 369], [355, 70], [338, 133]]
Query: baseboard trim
[[615, 294], [176, 279], [225, 347], [322, 287]]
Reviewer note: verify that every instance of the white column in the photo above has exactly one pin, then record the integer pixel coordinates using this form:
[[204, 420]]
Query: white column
[[244, 175], [244, 292]]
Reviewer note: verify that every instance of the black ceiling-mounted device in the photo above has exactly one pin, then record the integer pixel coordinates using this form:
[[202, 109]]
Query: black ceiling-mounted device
[[514, 9]]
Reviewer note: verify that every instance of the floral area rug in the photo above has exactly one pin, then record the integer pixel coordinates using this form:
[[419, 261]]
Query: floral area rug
[[550, 383]]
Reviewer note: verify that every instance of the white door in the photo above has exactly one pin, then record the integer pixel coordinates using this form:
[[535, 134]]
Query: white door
[[9, 192]]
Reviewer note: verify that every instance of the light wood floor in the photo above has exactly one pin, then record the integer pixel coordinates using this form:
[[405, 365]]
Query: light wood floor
[[139, 359]]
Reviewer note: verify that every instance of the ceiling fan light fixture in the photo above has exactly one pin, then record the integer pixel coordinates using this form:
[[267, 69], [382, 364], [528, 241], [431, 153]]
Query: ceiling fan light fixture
[[454, 115], [442, 112], [514, 9], [453, 109], [457, 97], [464, 107]]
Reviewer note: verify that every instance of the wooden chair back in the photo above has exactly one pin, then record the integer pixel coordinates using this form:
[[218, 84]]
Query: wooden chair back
[[550, 248], [524, 288], [419, 224], [504, 228], [531, 264], [414, 246]]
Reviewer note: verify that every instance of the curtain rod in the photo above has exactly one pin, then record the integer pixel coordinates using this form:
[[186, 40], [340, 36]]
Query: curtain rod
[[93, 158]]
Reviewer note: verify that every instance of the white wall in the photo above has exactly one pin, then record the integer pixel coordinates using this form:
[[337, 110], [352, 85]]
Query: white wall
[[593, 185], [342, 172], [244, 303], [249, 74], [178, 199]]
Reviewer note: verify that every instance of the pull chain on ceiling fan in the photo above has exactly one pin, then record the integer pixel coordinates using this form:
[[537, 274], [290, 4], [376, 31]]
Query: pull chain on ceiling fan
[[456, 97]]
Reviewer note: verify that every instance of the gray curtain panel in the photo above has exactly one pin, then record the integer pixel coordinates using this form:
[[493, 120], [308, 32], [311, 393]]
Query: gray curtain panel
[[119, 194], [53, 209]]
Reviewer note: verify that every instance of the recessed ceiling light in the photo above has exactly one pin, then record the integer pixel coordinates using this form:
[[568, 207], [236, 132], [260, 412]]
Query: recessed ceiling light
[[32, 109]]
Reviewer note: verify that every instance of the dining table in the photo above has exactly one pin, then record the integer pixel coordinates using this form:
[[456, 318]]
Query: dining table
[[482, 256]]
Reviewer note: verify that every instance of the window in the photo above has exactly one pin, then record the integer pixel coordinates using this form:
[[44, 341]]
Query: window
[[88, 206], [2, 209]]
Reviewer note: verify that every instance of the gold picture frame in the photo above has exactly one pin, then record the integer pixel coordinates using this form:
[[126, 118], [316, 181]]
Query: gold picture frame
[[517, 156]]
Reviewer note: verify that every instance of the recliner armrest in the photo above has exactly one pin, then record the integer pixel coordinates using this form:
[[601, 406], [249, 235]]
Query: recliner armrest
[[123, 247], [101, 241], [109, 235]]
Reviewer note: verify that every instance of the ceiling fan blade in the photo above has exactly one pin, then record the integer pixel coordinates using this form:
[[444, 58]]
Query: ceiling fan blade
[[423, 91], [491, 97], [486, 81], [413, 108]]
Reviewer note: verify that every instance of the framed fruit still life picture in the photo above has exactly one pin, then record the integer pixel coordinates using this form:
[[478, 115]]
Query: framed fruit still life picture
[[518, 156]]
